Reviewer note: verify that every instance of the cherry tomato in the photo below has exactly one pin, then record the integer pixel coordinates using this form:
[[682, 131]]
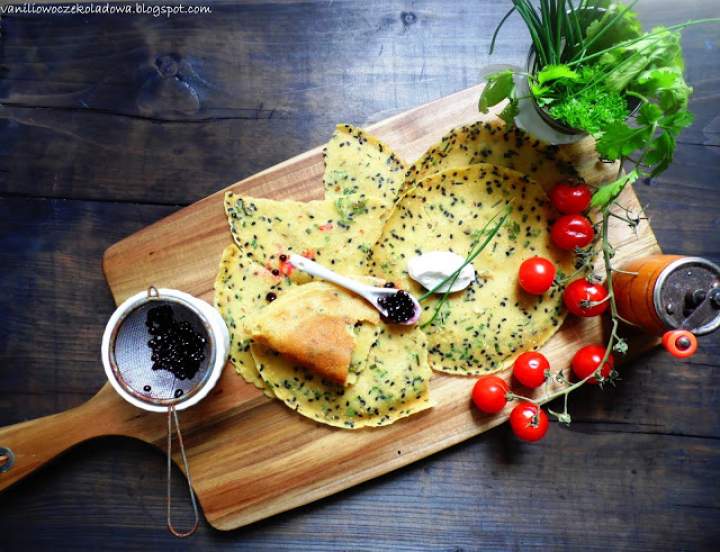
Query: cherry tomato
[[529, 369], [570, 198], [680, 343], [529, 422], [587, 360], [536, 275], [579, 293], [572, 231], [489, 394]]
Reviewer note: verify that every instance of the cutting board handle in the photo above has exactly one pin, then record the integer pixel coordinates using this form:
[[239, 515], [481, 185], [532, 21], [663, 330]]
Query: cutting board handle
[[26, 446]]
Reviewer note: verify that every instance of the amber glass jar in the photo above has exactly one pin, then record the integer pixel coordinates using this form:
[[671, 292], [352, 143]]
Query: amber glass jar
[[665, 292]]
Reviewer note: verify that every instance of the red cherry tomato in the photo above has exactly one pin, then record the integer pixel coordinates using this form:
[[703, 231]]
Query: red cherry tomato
[[489, 394], [570, 198], [529, 369], [580, 293], [536, 275], [572, 231], [529, 422], [587, 360], [680, 343]]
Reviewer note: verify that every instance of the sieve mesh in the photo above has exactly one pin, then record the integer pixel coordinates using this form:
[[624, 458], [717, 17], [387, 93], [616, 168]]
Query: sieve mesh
[[132, 363]]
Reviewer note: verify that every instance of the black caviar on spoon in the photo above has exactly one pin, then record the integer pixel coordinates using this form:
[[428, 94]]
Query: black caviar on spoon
[[399, 307]]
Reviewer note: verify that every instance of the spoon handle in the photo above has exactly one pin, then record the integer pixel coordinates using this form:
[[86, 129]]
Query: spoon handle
[[315, 269]]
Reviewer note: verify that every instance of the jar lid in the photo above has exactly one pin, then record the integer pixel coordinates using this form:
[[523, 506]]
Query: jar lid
[[687, 295]]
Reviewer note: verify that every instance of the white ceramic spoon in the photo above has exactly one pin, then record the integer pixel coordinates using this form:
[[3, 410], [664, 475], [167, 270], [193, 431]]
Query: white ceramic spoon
[[371, 294]]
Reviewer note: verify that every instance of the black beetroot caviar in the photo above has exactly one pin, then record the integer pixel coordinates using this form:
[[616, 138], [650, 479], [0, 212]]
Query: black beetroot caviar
[[176, 347], [400, 307]]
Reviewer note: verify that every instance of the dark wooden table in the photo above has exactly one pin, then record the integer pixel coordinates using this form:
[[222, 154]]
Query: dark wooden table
[[112, 122]]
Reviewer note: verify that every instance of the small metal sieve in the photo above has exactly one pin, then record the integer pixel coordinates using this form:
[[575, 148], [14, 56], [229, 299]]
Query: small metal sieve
[[127, 358]]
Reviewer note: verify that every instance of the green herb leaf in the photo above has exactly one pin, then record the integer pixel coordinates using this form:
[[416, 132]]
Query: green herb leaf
[[621, 140], [510, 112], [556, 72], [676, 122], [616, 25], [666, 84], [660, 153], [657, 79], [498, 88], [649, 114], [607, 193], [625, 64]]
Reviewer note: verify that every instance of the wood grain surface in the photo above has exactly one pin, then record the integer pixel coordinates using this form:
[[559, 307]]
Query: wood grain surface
[[81, 167]]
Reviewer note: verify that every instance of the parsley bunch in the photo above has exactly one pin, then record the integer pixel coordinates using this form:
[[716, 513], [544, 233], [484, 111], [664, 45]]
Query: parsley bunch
[[576, 98]]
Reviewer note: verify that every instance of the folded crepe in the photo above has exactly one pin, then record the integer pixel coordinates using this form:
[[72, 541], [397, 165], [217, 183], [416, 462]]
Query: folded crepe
[[314, 325]]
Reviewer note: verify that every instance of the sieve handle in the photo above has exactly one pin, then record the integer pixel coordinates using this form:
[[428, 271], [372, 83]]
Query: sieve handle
[[26, 446]]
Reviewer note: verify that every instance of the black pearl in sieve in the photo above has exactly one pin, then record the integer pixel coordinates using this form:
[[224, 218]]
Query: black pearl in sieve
[[147, 389], [178, 393], [176, 347]]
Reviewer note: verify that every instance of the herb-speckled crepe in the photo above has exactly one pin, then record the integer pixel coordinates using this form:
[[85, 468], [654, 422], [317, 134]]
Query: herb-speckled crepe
[[241, 289], [485, 142], [338, 235], [362, 180], [359, 166], [483, 328], [389, 367]]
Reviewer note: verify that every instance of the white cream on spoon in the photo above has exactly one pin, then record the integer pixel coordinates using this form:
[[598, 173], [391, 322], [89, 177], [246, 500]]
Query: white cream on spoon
[[432, 268]]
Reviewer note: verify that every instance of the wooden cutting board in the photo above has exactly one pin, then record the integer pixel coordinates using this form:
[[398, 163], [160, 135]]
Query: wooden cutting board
[[251, 457]]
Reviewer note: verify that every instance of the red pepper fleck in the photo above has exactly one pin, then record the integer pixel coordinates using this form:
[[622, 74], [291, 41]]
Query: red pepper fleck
[[286, 268], [326, 227], [309, 254]]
